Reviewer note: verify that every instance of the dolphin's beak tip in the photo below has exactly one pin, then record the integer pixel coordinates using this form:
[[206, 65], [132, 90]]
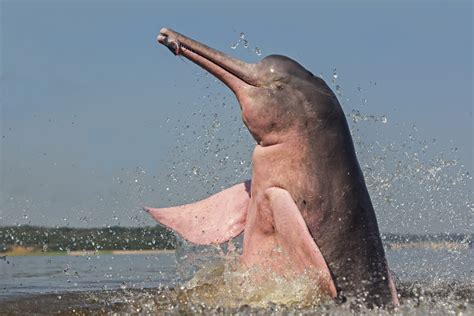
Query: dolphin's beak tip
[[161, 38], [165, 31]]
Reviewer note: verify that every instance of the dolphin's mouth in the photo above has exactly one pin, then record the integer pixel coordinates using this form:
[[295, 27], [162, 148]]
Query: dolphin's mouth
[[232, 72], [173, 45]]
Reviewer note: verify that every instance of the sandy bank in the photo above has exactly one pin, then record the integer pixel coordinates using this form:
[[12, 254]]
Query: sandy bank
[[30, 251]]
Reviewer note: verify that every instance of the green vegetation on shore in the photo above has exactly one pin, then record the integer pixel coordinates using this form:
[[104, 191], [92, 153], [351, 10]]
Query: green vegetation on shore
[[63, 239], [91, 239]]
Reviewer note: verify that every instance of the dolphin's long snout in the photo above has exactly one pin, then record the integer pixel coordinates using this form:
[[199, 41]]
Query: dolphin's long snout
[[233, 72]]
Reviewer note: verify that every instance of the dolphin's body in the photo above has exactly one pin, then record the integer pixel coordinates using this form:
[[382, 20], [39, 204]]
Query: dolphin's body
[[307, 207]]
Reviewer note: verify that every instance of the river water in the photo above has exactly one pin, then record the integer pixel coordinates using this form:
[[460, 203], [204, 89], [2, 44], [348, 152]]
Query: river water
[[428, 281]]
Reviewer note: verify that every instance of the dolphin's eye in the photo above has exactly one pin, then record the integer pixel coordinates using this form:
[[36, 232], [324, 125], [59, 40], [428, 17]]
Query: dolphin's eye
[[279, 86]]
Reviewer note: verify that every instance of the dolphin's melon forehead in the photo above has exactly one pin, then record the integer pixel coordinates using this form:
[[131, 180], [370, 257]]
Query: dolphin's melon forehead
[[283, 65]]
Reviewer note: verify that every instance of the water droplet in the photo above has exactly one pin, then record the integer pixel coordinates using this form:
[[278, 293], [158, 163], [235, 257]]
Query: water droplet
[[334, 76], [216, 124], [258, 51]]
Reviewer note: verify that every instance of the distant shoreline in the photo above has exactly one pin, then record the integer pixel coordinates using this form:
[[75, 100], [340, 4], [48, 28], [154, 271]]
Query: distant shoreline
[[79, 253], [40, 241], [29, 251], [428, 245]]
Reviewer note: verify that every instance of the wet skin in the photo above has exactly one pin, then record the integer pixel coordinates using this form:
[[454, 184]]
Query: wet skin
[[304, 160]]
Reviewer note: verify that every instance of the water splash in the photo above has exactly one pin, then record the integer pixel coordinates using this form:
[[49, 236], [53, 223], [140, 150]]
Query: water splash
[[229, 285], [419, 299], [413, 182], [245, 44], [357, 116]]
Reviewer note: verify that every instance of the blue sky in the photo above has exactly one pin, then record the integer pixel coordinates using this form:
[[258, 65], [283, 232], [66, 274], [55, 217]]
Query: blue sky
[[97, 119]]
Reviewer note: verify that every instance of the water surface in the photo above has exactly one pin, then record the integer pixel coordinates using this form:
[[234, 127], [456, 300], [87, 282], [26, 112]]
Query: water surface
[[434, 281]]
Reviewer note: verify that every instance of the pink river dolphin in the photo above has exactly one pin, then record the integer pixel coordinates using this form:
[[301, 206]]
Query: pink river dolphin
[[306, 207]]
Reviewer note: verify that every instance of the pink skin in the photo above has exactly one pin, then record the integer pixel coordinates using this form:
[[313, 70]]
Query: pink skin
[[273, 221], [211, 221], [307, 190]]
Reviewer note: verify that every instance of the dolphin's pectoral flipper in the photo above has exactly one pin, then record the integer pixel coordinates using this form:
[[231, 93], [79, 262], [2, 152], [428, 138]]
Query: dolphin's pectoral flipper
[[293, 235], [214, 220], [289, 233]]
